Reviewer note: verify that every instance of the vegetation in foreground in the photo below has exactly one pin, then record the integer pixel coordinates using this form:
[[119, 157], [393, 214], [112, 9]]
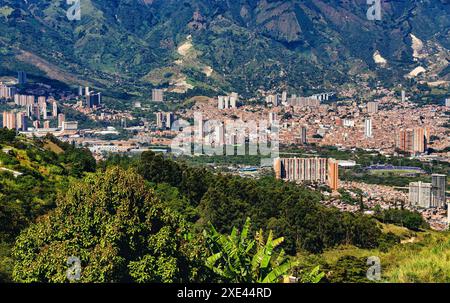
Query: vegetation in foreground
[[150, 219]]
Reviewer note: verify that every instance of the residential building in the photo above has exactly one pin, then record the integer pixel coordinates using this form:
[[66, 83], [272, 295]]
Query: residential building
[[413, 140], [169, 120], [157, 95], [9, 120], [303, 134], [272, 118], [317, 170], [439, 183], [160, 121], [61, 120], [368, 128], [372, 107], [272, 99], [420, 194], [21, 121], [93, 100], [70, 126], [21, 77], [333, 174], [7, 92], [54, 109]]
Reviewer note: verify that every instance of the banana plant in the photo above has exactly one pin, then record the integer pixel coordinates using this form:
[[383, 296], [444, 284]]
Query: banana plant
[[237, 258]]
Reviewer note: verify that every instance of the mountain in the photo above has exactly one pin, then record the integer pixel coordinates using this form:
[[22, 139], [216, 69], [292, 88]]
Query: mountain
[[221, 45]]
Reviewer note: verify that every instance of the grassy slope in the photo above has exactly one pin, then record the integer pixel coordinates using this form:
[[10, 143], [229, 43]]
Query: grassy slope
[[421, 257], [53, 179]]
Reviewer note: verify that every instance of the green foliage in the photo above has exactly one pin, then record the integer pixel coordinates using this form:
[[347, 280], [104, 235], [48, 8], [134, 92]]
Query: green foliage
[[115, 225], [239, 47], [402, 217], [6, 135], [239, 259], [76, 160], [287, 209], [348, 269], [6, 262]]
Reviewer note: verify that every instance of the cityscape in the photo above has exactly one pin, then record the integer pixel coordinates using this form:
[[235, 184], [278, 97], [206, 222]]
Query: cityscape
[[200, 168]]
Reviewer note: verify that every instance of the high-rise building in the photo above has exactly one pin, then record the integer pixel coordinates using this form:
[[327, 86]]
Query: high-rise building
[[93, 100], [220, 134], [21, 77], [272, 118], [157, 95], [372, 107], [21, 121], [320, 170], [233, 102], [368, 128], [42, 103], [29, 111], [234, 99], [36, 112], [37, 124], [7, 92], [221, 102], [420, 194], [419, 140], [284, 97], [272, 99], [225, 102], [169, 120], [54, 109], [199, 133], [24, 100], [447, 102], [46, 124], [333, 174], [403, 96], [404, 140], [439, 183], [61, 120], [9, 120], [160, 123], [413, 140], [304, 132], [429, 195], [42, 100]]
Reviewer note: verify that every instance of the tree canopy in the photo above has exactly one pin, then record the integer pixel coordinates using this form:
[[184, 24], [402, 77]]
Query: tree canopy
[[117, 228]]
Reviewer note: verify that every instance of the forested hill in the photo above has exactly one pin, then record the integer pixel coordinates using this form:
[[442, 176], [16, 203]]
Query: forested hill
[[231, 45], [31, 173]]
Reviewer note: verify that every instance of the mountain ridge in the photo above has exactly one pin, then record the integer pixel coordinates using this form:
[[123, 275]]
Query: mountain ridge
[[249, 44]]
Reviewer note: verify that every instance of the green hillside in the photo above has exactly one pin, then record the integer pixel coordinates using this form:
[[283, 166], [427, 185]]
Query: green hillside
[[32, 172], [130, 45]]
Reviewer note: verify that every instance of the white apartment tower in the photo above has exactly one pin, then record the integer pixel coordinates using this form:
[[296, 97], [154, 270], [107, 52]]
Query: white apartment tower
[[368, 128]]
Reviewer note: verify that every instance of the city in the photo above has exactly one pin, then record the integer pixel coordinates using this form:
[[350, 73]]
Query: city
[[255, 142]]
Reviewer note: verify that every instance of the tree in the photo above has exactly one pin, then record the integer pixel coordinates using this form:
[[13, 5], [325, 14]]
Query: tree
[[117, 228], [238, 259], [6, 135]]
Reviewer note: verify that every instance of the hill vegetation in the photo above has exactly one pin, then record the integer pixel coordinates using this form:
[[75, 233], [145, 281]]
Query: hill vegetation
[[127, 46]]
